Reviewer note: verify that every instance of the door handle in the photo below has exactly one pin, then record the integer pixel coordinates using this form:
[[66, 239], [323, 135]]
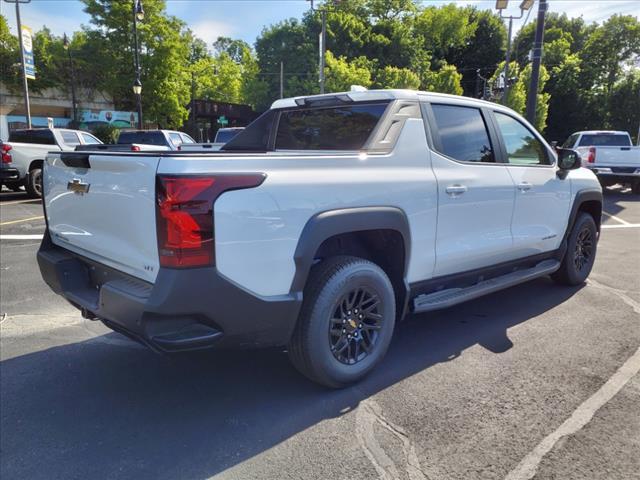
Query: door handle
[[524, 186], [455, 190]]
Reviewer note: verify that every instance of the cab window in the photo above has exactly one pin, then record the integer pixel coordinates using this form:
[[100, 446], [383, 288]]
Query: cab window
[[463, 133], [523, 147]]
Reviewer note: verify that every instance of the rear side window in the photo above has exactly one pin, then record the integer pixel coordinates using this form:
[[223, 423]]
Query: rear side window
[[147, 138], [186, 138], [254, 138], [42, 137], [331, 128], [604, 140], [89, 139], [463, 133], [70, 138]]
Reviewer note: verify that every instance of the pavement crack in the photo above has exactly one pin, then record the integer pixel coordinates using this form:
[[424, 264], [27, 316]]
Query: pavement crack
[[368, 414]]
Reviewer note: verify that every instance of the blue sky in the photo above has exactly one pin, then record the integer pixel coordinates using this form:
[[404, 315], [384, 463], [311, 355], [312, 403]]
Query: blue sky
[[245, 19]]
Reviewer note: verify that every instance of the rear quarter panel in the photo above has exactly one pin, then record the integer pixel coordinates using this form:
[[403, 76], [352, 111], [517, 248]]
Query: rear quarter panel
[[257, 230]]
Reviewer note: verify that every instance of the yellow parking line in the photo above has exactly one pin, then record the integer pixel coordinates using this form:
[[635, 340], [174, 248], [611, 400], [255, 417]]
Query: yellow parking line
[[15, 202], [22, 220]]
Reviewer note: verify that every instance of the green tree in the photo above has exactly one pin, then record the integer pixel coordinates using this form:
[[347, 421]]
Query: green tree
[[165, 54], [446, 80], [624, 104], [609, 47], [341, 74], [9, 56], [394, 77]]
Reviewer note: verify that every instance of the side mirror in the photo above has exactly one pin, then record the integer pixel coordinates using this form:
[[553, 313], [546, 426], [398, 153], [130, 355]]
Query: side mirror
[[568, 159]]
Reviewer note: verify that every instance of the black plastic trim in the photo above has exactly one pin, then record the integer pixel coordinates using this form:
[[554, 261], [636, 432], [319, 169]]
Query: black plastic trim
[[75, 160], [471, 277], [183, 310], [330, 223], [586, 195]]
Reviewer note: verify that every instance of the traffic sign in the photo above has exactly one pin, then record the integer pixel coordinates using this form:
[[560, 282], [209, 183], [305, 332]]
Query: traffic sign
[[222, 120]]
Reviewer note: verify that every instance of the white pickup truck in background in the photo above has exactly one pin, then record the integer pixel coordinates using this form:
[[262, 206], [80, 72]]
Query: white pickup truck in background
[[24, 153], [610, 155]]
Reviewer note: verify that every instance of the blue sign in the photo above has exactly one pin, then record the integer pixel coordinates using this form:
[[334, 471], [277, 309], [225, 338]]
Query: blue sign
[[27, 48]]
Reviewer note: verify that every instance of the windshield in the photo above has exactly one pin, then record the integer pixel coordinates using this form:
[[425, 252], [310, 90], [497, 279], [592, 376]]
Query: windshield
[[605, 140]]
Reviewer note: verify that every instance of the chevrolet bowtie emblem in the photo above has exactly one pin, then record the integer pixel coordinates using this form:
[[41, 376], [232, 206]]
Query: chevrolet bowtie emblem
[[78, 187]]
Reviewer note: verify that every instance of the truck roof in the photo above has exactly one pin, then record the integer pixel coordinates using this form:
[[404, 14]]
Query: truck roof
[[373, 95], [600, 132]]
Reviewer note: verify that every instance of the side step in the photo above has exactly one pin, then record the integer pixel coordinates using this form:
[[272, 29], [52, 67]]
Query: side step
[[453, 296]]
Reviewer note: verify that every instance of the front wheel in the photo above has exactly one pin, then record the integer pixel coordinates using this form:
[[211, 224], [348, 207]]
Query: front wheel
[[346, 322], [581, 252]]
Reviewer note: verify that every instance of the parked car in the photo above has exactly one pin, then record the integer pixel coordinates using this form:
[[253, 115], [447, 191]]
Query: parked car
[[335, 216], [223, 135], [24, 153], [610, 155]]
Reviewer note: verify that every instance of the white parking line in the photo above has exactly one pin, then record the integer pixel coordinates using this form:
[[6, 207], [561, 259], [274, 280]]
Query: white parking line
[[21, 237], [581, 416], [617, 219], [15, 202], [627, 225]]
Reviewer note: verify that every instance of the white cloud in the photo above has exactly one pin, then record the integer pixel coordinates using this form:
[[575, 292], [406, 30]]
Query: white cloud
[[210, 30]]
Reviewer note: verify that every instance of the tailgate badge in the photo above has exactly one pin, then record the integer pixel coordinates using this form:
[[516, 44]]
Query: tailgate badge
[[78, 187]]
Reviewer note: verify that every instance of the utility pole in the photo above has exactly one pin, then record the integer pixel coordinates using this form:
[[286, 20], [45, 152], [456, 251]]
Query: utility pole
[[323, 47], [281, 79], [138, 14], [67, 46], [532, 95], [25, 83]]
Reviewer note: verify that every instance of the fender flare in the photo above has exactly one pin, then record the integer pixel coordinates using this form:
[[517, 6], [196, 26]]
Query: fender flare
[[586, 195], [327, 224]]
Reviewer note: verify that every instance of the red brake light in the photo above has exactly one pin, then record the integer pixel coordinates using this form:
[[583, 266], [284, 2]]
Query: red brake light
[[135, 148], [592, 155], [6, 156], [184, 216]]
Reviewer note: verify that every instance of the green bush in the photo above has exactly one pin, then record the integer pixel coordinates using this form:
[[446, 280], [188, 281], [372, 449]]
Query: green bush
[[107, 133]]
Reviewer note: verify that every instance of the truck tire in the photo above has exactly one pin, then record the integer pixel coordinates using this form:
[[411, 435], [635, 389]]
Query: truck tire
[[346, 321], [581, 252], [33, 183]]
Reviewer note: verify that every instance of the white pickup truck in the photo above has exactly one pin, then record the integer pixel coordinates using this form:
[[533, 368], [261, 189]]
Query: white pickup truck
[[23, 155], [610, 155], [319, 227]]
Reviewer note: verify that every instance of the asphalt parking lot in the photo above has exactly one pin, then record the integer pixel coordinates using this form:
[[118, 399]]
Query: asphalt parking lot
[[538, 381]]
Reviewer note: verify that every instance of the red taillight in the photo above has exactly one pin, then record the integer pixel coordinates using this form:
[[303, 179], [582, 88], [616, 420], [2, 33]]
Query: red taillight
[[185, 216], [135, 148], [592, 155], [6, 156]]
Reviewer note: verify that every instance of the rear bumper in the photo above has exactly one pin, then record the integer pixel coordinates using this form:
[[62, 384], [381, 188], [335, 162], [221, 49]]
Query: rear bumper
[[9, 174], [186, 309], [617, 174]]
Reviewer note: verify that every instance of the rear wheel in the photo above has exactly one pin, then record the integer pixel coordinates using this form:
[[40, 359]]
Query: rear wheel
[[34, 182], [346, 321], [581, 252]]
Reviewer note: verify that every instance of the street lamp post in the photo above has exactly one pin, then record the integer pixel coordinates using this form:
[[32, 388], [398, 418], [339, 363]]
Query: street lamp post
[[501, 5], [25, 84], [138, 15], [74, 99]]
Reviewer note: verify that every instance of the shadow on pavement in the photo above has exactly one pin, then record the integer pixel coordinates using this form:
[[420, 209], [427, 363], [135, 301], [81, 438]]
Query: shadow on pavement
[[613, 196], [92, 409]]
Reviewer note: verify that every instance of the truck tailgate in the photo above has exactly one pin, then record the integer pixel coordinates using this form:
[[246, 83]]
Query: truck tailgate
[[103, 207]]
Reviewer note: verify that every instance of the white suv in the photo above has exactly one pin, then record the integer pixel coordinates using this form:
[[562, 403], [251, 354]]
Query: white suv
[[319, 227]]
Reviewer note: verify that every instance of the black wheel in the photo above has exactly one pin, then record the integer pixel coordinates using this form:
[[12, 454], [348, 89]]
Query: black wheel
[[346, 321], [34, 183], [581, 252]]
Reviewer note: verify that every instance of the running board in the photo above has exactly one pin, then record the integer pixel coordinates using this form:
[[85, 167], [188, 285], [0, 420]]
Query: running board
[[453, 296]]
